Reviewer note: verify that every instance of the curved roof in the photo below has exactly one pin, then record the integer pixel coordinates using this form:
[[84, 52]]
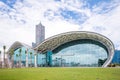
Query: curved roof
[[17, 45], [57, 40]]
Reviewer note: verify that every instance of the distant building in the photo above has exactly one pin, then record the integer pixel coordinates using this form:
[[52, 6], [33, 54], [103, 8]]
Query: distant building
[[40, 34], [116, 58]]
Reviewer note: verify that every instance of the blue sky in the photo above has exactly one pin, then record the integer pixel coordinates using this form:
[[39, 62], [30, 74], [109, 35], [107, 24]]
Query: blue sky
[[19, 17], [10, 3]]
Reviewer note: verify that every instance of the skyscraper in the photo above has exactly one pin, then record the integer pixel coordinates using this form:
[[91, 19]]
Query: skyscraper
[[40, 33]]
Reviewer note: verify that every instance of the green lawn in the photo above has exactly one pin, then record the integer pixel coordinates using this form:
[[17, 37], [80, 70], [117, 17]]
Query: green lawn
[[60, 74]]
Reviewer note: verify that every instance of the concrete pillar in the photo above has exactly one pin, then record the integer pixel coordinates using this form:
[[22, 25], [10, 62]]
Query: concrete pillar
[[35, 63], [27, 59], [35, 60], [3, 64]]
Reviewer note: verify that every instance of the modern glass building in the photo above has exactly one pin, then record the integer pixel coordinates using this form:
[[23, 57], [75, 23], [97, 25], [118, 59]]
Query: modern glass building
[[71, 49], [116, 57]]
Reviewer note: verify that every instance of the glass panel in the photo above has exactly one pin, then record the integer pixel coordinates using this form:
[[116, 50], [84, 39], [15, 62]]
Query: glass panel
[[41, 60], [86, 53], [23, 57]]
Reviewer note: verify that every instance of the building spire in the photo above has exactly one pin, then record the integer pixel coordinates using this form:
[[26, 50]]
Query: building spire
[[40, 24], [40, 33]]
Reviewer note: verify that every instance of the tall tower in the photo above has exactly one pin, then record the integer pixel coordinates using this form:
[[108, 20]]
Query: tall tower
[[40, 33]]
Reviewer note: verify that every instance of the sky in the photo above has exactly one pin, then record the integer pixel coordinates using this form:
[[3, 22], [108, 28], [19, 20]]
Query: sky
[[18, 19]]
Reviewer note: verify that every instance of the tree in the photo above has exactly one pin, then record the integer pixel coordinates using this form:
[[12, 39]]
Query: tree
[[4, 48], [12, 57], [0, 53], [26, 53], [11, 53], [20, 50], [17, 58], [31, 58]]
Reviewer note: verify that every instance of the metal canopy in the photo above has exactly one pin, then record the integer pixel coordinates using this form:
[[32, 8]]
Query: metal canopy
[[55, 41]]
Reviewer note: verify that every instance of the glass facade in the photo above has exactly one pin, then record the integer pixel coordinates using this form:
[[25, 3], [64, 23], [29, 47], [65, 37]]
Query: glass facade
[[80, 53], [21, 56], [41, 58], [77, 53]]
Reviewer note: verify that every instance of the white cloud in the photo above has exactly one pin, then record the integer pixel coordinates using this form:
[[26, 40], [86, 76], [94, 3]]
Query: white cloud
[[109, 23], [19, 23], [13, 29]]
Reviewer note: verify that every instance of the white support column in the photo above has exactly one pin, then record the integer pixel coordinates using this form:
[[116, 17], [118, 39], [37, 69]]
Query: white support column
[[35, 60], [3, 64], [35, 63], [27, 60]]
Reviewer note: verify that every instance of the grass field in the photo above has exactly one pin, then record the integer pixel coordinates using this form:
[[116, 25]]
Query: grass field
[[60, 74]]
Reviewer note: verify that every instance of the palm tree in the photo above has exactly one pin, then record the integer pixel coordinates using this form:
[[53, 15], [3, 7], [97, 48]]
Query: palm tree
[[12, 57], [20, 50], [17, 58], [4, 48], [31, 58], [11, 52], [26, 52], [0, 54]]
